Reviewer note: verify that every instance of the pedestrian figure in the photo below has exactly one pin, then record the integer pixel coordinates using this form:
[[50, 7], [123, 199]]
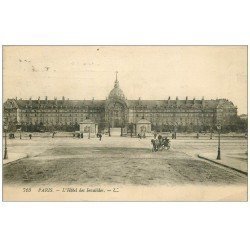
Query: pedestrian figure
[[197, 135], [30, 136], [100, 136], [160, 139], [155, 134], [172, 135]]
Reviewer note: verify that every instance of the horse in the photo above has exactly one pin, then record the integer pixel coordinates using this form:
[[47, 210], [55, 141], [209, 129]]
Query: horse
[[161, 144], [156, 144]]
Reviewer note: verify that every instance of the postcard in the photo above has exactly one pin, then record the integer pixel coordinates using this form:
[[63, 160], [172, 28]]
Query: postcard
[[125, 123]]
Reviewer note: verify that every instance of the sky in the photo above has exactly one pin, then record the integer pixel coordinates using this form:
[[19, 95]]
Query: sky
[[148, 72]]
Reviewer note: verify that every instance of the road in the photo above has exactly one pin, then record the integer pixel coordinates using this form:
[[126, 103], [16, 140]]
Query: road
[[118, 160]]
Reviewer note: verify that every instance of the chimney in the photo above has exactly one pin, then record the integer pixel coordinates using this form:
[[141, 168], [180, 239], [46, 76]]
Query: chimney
[[186, 99], [194, 101], [30, 102], [202, 101], [177, 101], [169, 100], [38, 100], [55, 99], [46, 99]]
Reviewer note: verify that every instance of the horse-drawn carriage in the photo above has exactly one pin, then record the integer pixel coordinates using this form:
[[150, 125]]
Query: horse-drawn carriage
[[160, 143]]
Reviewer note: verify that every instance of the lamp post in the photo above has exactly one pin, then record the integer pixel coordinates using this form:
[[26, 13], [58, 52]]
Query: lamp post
[[197, 126], [131, 129], [211, 133], [219, 130], [5, 143], [122, 130], [109, 130], [20, 130]]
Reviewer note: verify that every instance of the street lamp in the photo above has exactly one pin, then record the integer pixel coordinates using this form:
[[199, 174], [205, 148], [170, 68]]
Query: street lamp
[[211, 132], [197, 128], [175, 130], [5, 142], [219, 130], [131, 129], [109, 130], [121, 129], [20, 130]]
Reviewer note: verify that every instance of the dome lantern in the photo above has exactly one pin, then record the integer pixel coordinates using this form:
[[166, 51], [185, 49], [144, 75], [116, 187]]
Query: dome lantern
[[116, 92]]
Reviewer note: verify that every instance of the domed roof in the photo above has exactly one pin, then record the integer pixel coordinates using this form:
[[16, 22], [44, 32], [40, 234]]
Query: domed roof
[[116, 92]]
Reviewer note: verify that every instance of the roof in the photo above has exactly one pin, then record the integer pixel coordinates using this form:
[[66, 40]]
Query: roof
[[171, 103], [208, 104], [87, 121], [116, 92], [59, 103], [99, 104], [144, 121]]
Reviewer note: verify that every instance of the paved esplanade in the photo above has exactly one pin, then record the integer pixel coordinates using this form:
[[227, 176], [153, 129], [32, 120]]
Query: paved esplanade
[[118, 160]]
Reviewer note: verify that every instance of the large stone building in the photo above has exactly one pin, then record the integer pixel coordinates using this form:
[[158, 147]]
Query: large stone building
[[118, 113]]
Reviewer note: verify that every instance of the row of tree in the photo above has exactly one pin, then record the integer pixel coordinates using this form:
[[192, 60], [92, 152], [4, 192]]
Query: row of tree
[[236, 125]]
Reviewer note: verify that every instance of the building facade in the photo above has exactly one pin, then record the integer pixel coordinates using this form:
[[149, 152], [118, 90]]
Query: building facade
[[131, 116]]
